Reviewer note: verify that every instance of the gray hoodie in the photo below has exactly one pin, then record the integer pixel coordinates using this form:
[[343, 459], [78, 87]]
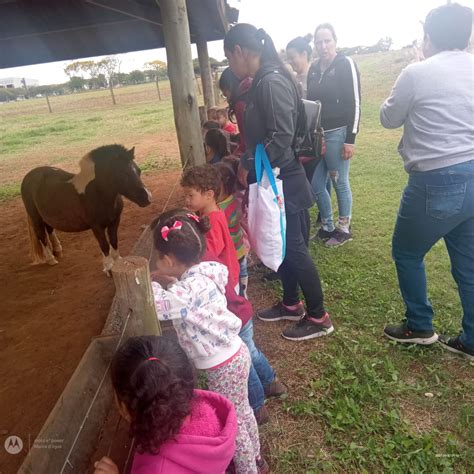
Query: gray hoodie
[[434, 101]]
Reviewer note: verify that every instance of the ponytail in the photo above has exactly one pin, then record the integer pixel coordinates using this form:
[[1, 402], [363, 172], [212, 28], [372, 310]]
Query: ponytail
[[260, 42]]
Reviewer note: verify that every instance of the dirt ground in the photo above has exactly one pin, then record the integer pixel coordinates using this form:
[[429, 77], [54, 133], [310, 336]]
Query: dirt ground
[[49, 314]]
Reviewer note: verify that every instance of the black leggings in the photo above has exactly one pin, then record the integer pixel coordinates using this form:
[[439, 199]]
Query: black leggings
[[298, 269]]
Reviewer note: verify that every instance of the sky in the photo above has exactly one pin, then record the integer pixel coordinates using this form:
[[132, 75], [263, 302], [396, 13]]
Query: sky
[[357, 22]]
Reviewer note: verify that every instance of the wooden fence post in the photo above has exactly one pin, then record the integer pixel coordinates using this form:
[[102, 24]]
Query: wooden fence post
[[133, 290]]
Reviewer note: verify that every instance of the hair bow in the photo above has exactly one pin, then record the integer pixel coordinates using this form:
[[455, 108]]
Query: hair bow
[[165, 230]]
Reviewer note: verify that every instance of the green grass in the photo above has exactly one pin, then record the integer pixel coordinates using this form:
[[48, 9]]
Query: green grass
[[358, 401], [9, 191], [367, 401]]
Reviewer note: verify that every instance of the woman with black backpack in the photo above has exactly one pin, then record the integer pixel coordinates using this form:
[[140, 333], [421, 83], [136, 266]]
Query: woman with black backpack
[[270, 118]]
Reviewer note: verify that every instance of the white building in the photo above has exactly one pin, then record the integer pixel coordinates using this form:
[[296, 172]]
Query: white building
[[16, 82]]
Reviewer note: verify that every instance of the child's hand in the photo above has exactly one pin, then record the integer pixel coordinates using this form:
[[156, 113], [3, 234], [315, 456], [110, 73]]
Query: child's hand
[[105, 466], [163, 280]]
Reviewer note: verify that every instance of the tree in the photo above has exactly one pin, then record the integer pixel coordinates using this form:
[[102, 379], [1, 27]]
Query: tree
[[136, 77], [6, 95], [76, 83], [160, 69], [108, 67]]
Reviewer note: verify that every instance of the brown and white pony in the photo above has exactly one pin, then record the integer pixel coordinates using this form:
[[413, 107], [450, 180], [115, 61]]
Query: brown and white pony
[[91, 199]]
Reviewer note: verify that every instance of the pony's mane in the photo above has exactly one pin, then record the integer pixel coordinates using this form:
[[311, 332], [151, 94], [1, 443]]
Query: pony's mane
[[107, 152]]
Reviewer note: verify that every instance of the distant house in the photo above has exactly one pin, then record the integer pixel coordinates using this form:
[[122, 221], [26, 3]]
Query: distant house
[[17, 82]]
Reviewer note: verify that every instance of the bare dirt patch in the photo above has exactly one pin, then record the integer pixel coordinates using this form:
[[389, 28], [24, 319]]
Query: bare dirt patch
[[49, 314]]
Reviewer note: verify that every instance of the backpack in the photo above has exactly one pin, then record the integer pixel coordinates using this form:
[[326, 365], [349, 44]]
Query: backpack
[[308, 142], [309, 136]]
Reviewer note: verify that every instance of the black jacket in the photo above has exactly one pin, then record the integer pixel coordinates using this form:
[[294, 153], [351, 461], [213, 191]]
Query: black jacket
[[338, 89], [270, 118]]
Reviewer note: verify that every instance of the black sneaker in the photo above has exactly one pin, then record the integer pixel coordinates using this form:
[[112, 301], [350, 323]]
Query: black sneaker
[[339, 238], [402, 333], [453, 344], [307, 328], [280, 312], [324, 235]]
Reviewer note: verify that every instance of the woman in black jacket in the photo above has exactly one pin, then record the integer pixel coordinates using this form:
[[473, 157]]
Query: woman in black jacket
[[334, 80], [270, 118]]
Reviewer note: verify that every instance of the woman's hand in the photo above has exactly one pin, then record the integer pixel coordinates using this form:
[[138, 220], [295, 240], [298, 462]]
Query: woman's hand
[[242, 174], [105, 466], [348, 151]]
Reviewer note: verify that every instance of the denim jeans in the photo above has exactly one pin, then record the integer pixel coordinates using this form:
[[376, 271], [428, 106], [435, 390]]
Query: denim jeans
[[436, 205], [261, 372], [334, 166]]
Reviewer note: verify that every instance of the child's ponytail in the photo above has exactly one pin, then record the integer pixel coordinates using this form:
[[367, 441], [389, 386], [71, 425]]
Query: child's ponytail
[[154, 379]]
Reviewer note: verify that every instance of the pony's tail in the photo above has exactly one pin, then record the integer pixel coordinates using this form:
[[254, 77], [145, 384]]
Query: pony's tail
[[36, 248]]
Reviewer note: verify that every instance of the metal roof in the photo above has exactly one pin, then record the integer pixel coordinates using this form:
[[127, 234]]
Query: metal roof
[[41, 31]]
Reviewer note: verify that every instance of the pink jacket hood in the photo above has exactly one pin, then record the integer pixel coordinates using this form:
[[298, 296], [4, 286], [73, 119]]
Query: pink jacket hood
[[205, 443]]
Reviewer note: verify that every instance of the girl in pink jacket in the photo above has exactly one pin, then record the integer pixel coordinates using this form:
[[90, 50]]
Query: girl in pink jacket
[[177, 430]]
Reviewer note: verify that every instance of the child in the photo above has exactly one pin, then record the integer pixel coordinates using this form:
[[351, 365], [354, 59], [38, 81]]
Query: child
[[177, 429], [224, 122], [216, 145], [236, 92], [209, 125], [191, 294], [212, 113], [201, 187], [230, 206]]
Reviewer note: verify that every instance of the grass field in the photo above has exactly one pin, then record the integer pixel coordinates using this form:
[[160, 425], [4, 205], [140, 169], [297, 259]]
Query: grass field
[[362, 404]]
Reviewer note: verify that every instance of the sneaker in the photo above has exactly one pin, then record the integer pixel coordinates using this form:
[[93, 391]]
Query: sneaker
[[453, 344], [275, 389], [402, 333], [339, 238], [262, 416], [324, 235], [262, 466], [308, 328], [280, 312]]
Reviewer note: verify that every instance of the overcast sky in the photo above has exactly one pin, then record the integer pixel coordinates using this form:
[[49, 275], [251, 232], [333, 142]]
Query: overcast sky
[[361, 22]]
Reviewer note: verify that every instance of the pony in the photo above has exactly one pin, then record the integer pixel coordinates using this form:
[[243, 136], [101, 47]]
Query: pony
[[91, 199]]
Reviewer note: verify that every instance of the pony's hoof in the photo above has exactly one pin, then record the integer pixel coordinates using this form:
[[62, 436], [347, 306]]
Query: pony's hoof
[[58, 253], [51, 261]]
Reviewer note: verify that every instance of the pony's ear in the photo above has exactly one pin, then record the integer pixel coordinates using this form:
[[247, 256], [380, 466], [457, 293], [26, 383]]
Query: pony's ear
[[131, 152]]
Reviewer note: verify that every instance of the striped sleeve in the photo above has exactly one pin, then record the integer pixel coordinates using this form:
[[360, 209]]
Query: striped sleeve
[[350, 84]]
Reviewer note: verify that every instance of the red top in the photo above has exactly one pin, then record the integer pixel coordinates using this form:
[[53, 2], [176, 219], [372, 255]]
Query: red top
[[220, 248], [230, 128]]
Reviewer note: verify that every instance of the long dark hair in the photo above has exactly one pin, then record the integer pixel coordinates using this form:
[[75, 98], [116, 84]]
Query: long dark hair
[[154, 378], [217, 141], [301, 45], [229, 81], [256, 40]]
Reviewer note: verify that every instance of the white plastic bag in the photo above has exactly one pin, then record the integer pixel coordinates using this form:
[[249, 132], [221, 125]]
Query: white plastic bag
[[266, 215]]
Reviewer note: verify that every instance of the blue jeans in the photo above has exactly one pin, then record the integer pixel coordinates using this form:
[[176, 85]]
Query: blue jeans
[[334, 166], [436, 205], [261, 372]]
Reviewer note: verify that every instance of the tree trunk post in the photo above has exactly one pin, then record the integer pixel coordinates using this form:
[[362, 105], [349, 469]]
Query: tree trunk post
[[206, 73], [111, 87], [181, 74], [133, 290], [158, 87], [49, 105]]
